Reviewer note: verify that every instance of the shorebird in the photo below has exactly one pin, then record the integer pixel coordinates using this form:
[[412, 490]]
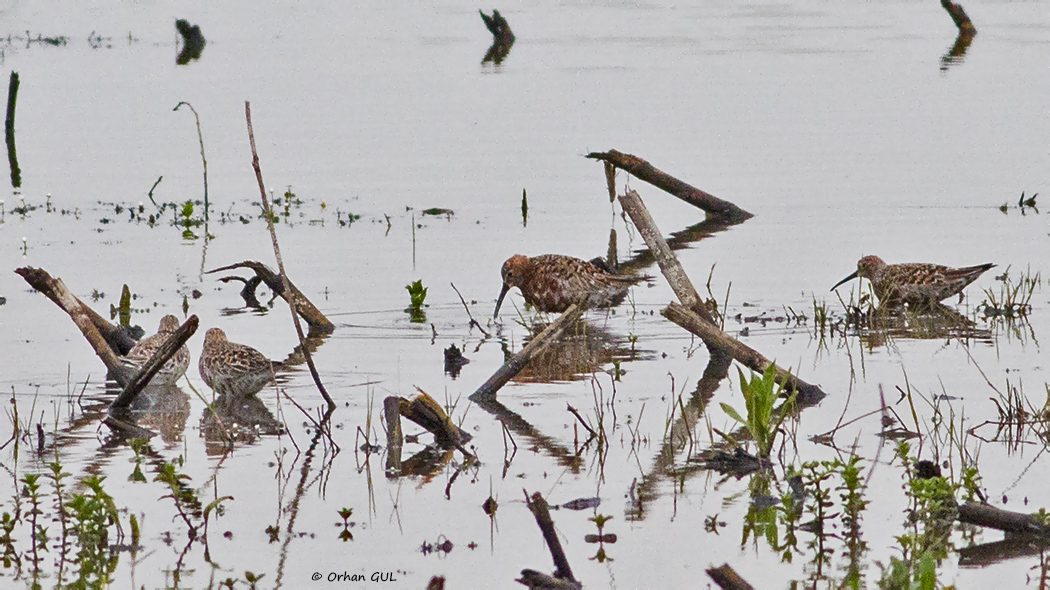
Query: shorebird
[[915, 283], [228, 367], [175, 367], [552, 282]]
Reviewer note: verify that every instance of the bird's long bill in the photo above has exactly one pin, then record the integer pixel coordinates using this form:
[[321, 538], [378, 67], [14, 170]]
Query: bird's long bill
[[499, 300], [852, 276]]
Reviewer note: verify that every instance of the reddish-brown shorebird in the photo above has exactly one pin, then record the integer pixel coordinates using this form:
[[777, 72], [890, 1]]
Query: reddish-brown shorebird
[[175, 367], [228, 367], [915, 283], [552, 282]]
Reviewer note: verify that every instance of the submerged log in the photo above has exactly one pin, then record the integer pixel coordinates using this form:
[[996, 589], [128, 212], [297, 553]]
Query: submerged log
[[1003, 520], [519, 361], [306, 309], [154, 364], [727, 578], [426, 412], [643, 170], [83, 317], [563, 577], [808, 394]]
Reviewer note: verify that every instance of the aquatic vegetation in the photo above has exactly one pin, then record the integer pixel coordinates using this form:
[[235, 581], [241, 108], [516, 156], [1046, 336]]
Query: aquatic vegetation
[[1013, 299], [186, 220], [417, 294], [763, 417], [86, 523]]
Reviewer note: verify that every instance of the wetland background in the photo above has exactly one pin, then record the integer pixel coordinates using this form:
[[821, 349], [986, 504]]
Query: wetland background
[[845, 129]]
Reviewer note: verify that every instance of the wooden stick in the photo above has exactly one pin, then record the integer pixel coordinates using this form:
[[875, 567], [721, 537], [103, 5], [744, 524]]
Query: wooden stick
[[286, 283], [807, 394], [9, 127], [670, 267], [539, 508], [643, 170], [519, 361], [56, 291], [154, 364], [727, 578], [394, 438]]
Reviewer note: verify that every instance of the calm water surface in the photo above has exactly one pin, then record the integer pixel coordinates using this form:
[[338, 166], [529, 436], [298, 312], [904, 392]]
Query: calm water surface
[[842, 128]]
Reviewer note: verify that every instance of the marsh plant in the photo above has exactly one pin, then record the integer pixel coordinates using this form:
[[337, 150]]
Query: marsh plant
[[74, 529], [763, 416], [187, 221], [1013, 299], [931, 515], [417, 293]]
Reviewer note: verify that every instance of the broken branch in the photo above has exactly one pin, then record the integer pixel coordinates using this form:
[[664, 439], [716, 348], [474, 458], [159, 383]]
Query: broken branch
[[519, 361], [643, 170]]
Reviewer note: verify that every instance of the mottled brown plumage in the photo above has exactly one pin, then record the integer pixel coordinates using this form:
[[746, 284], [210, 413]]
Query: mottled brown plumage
[[914, 283], [228, 367], [552, 282], [143, 350]]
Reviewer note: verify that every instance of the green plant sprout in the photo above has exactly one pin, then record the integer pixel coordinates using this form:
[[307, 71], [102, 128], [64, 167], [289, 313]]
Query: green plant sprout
[[763, 418]]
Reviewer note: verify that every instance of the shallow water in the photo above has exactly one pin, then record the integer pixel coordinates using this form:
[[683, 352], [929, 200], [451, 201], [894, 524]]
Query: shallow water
[[838, 127]]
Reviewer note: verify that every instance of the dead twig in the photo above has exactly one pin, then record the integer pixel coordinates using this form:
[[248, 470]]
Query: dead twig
[[473, 322], [285, 283]]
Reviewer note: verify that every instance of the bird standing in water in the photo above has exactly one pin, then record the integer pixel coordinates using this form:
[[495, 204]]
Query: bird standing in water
[[915, 283], [228, 367], [552, 282], [143, 350]]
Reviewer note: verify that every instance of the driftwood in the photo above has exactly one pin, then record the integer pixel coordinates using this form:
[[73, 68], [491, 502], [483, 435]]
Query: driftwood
[[643, 170], [1003, 520], [691, 315], [116, 337], [426, 412], [807, 394], [518, 362], [670, 267], [727, 578], [313, 316], [563, 577], [85, 319], [154, 364], [109, 349]]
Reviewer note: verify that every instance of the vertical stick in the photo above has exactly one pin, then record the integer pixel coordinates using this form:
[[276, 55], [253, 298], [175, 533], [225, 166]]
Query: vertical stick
[[280, 262]]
